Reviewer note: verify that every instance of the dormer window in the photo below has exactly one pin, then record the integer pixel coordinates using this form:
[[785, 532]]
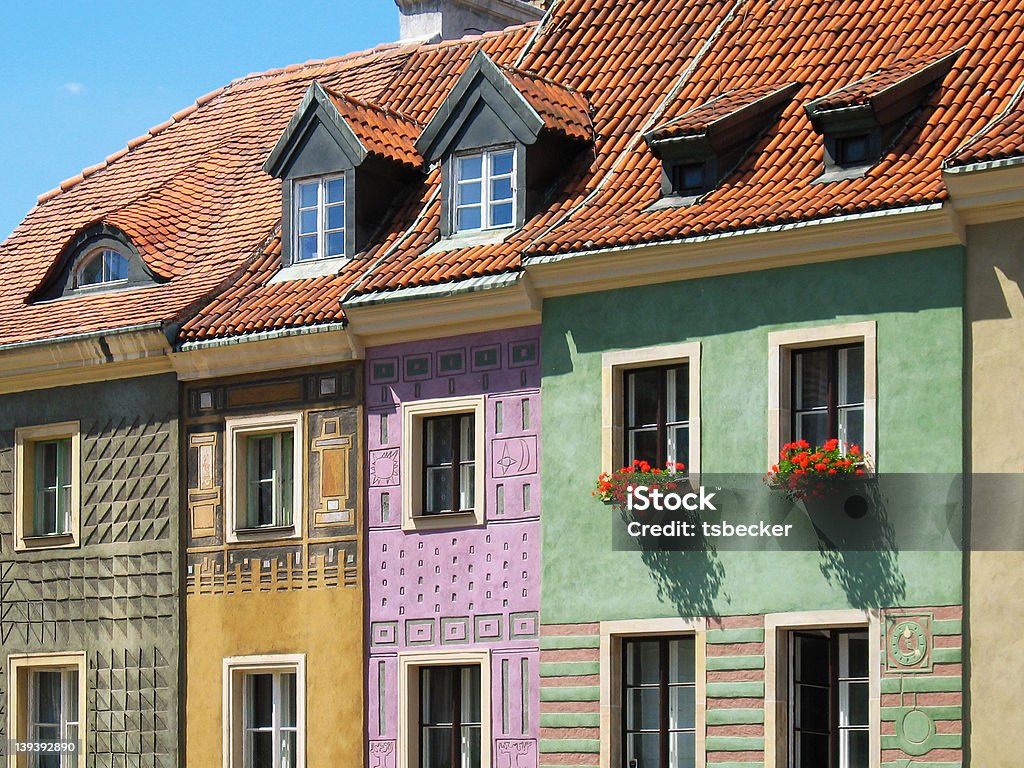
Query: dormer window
[[853, 150], [319, 223], [485, 189], [688, 179], [102, 266]]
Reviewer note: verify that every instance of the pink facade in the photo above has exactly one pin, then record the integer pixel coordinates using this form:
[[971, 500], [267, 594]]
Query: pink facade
[[460, 588]]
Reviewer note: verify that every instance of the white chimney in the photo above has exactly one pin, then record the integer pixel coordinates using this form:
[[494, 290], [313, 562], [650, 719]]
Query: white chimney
[[452, 19]]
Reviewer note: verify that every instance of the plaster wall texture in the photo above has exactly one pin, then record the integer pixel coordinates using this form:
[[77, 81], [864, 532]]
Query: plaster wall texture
[[322, 624], [995, 313], [916, 300], [458, 588], [114, 597]]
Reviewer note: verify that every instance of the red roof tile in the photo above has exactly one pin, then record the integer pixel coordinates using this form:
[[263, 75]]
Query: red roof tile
[[561, 108], [381, 131], [194, 198]]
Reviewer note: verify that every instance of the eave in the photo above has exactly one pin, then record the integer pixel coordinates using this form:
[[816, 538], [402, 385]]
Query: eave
[[988, 191], [835, 239]]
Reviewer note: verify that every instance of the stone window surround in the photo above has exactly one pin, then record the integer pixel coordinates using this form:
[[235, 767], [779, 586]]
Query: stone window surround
[[408, 699], [612, 634], [776, 680], [780, 344], [17, 666], [234, 667], [234, 492], [413, 415], [24, 485], [613, 365]]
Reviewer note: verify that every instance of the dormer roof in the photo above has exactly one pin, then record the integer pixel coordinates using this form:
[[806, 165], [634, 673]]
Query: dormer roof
[[359, 127], [525, 103]]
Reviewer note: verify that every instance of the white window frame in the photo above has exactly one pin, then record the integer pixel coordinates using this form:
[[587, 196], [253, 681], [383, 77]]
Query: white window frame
[[321, 218], [25, 439], [612, 635], [486, 176], [778, 629], [235, 668], [19, 691], [409, 665], [780, 377], [236, 431], [413, 416], [613, 368], [100, 253]]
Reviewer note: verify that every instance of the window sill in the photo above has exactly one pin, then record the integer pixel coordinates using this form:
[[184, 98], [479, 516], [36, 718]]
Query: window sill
[[838, 173], [302, 270], [47, 541], [421, 522], [266, 532], [457, 240], [673, 201]]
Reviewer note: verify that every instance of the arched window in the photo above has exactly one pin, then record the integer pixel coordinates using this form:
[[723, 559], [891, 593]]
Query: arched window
[[104, 265]]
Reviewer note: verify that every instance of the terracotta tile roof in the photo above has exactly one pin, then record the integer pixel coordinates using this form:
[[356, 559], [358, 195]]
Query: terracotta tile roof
[[561, 108], [697, 120], [1002, 139], [382, 131], [862, 91], [203, 212]]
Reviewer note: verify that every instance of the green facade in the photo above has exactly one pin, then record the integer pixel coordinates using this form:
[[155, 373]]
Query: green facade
[[916, 300]]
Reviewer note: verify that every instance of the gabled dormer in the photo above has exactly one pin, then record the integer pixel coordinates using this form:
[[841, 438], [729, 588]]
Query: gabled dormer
[[701, 147], [342, 163], [859, 121], [98, 259], [502, 137]]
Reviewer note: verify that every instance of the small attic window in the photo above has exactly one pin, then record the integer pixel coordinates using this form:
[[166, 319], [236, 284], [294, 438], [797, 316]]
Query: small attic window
[[485, 189], [688, 179], [853, 150], [319, 223], [101, 267]]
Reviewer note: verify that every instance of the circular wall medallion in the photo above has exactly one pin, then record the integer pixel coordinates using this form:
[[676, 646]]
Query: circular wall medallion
[[908, 643], [915, 730]]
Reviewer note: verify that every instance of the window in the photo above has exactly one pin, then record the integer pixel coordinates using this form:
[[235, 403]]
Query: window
[[828, 394], [47, 499], [658, 702], [822, 385], [657, 423], [444, 704], [319, 221], [47, 704], [829, 699], [263, 459], [450, 716], [853, 150], [651, 406], [101, 266], [449, 464], [265, 711], [484, 190], [688, 179], [443, 470]]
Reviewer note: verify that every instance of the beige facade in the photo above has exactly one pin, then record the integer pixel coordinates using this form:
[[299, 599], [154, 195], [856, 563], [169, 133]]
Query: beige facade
[[995, 306]]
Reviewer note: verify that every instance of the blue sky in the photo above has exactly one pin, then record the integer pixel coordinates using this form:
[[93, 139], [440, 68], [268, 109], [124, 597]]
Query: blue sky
[[79, 79]]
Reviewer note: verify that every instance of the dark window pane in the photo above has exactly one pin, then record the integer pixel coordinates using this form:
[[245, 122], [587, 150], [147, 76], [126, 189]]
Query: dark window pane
[[471, 746], [851, 150], [642, 662], [92, 272], [811, 378], [851, 426], [812, 661], [643, 389], [467, 445], [644, 748], [288, 701], [436, 749], [682, 750], [439, 441], [261, 701], [812, 427], [470, 704], [680, 660], [858, 655], [851, 375], [680, 394], [679, 445], [47, 697], [439, 490], [812, 751], [857, 747], [681, 707], [261, 749], [812, 708], [857, 703], [117, 266], [643, 446], [643, 709], [437, 691]]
